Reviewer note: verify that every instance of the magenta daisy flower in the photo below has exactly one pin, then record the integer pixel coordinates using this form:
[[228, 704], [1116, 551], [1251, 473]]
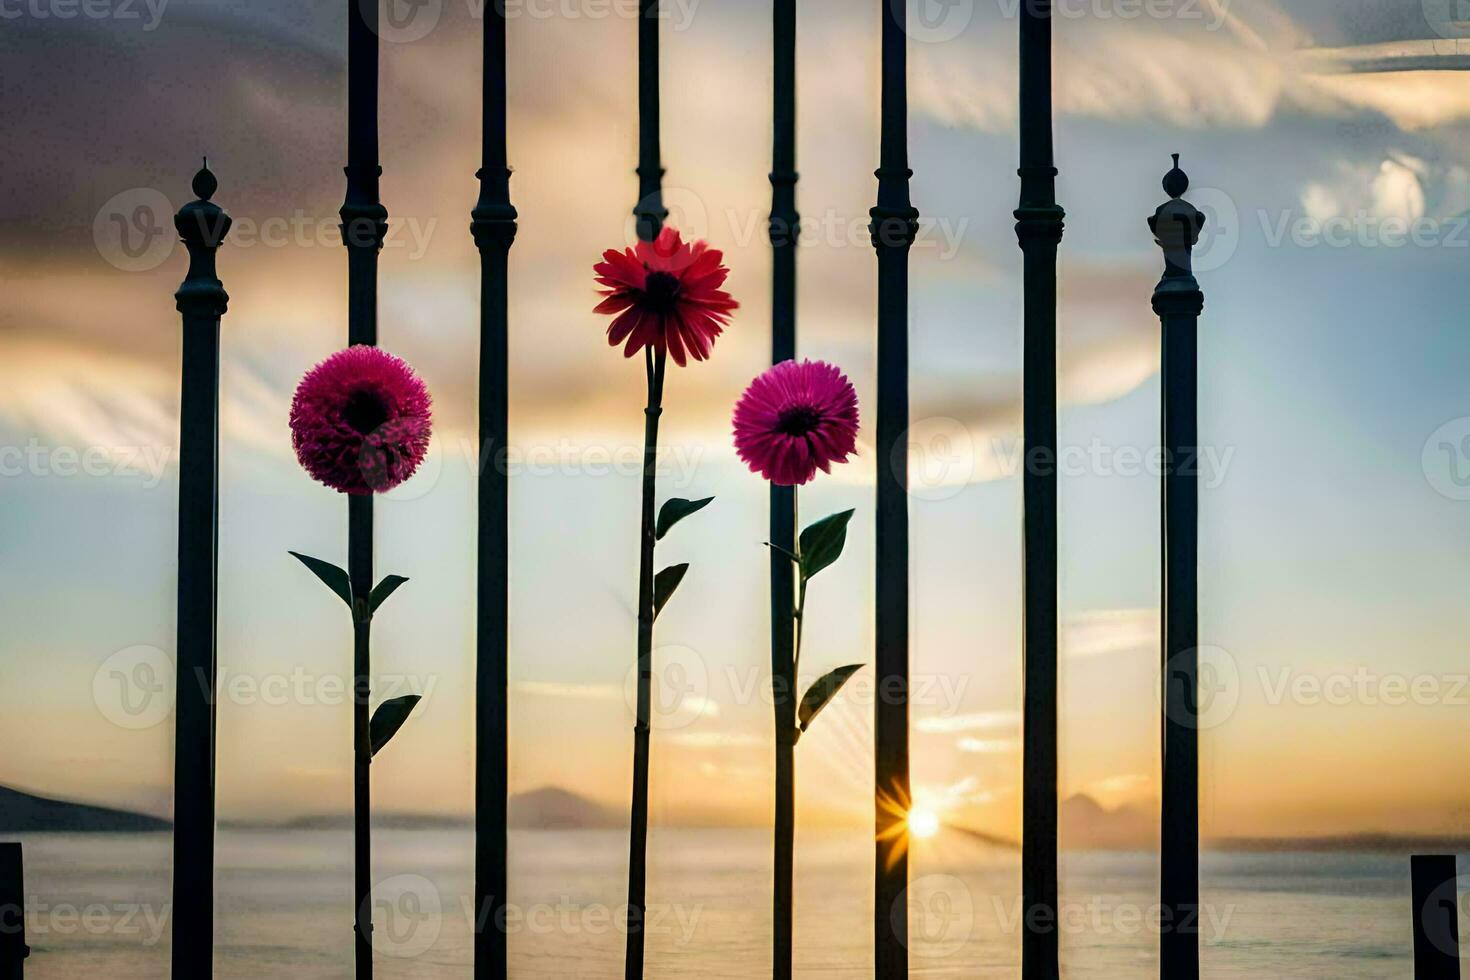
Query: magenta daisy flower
[[360, 421], [795, 419], [666, 295]]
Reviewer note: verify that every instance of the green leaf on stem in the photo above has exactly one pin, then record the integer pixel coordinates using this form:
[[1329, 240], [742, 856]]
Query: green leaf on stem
[[335, 578], [674, 511], [820, 694], [822, 543], [664, 584], [390, 717], [383, 590]]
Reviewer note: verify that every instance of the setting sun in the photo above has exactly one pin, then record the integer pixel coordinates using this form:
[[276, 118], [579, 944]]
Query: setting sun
[[923, 824]]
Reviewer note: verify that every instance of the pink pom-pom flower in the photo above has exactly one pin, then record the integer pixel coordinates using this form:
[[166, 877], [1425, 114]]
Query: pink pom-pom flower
[[360, 421], [666, 295], [796, 418]]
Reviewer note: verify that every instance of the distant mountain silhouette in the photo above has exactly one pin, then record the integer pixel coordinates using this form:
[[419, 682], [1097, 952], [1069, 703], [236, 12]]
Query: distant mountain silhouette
[[1087, 825], [343, 821], [1346, 843], [23, 813], [549, 808], [553, 808]]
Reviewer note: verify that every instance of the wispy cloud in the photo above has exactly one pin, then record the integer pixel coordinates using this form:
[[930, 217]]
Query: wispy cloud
[[983, 721], [988, 746], [1101, 632]]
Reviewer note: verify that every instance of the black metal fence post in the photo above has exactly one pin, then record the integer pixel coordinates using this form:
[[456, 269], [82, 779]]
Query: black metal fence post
[[785, 229], [13, 948], [1178, 302], [1436, 917], [493, 225], [649, 213], [1039, 223], [202, 301], [895, 225], [650, 210], [364, 228]]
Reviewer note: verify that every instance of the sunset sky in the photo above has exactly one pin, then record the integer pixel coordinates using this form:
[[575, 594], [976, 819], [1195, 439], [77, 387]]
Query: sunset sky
[[1328, 141]]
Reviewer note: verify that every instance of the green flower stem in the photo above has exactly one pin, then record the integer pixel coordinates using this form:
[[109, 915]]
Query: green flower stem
[[360, 572], [638, 831], [787, 735]]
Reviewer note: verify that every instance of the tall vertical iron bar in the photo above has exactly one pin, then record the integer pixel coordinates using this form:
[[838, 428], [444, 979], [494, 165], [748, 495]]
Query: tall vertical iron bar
[[1178, 302], [202, 301], [894, 227], [650, 210], [1179, 859], [493, 225], [13, 948], [364, 227], [364, 219], [784, 231], [650, 214], [1039, 231], [1435, 888]]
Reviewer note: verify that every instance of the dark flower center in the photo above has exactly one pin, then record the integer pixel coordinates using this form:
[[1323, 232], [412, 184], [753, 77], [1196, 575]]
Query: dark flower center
[[365, 411], [798, 421], [661, 292]]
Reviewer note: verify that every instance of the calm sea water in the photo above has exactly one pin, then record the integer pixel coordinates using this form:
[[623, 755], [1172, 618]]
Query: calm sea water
[[99, 908]]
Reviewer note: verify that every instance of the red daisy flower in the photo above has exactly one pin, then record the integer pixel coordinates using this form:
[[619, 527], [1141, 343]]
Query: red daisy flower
[[360, 421], [666, 295], [795, 419]]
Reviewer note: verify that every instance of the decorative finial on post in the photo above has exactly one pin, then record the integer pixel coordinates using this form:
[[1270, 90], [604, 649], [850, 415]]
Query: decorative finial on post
[[205, 183], [202, 225], [1176, 181], [1176, 226]]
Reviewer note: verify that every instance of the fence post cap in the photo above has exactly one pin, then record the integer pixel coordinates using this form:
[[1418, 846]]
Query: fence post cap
[[202, 226]]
